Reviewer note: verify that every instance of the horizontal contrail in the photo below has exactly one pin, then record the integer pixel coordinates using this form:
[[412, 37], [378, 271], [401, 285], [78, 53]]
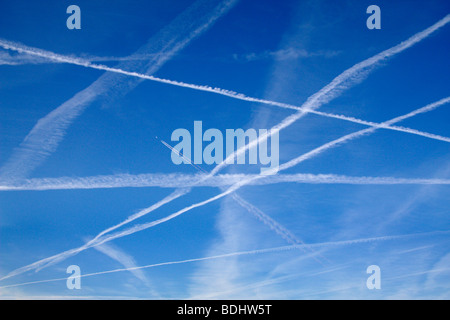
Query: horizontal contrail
[[178, 180], [330, 91], [23, 59], [250, 252]]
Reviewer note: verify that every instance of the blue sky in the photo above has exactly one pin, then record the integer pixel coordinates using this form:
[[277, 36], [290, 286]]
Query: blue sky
[[81, 122]]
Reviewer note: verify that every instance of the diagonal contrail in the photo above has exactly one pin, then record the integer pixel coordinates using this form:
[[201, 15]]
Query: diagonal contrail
[[250, 252], [46, 135], [349, 77]]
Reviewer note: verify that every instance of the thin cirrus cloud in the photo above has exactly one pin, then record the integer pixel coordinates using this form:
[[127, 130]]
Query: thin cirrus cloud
[[284, 54]]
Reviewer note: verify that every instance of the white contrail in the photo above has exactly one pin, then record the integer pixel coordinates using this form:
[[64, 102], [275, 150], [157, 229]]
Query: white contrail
[[335, 87], [38, 265], [178, 180], [29, 59], [50, 130], [124, 259], [379, 125], [352, 75], [8, 60], [282, 167], [346, 138], [340, 83], [250, 252], [260, 215], [64, 255], [272, 224], [23, 59]]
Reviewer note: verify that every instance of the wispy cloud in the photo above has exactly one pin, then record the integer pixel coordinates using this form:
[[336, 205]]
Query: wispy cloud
[[127, 262], [284, 54], [124, 259], [6, 58]]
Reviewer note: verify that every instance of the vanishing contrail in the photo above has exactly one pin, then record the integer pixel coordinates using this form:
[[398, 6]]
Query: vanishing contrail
[[46, 135], [244, 253], [178, 180], [340, 83]]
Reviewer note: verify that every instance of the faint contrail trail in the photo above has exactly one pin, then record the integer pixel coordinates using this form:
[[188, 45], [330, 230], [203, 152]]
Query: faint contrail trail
[[22, 59], [46, 135], [124, 259], [273, 225], [330, 91], [178, 180], [244, 253]]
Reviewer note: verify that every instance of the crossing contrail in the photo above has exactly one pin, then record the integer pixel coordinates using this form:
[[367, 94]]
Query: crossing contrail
[[49, 131], [354, 74], [250, 252], [349, 77], [282, 167]]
